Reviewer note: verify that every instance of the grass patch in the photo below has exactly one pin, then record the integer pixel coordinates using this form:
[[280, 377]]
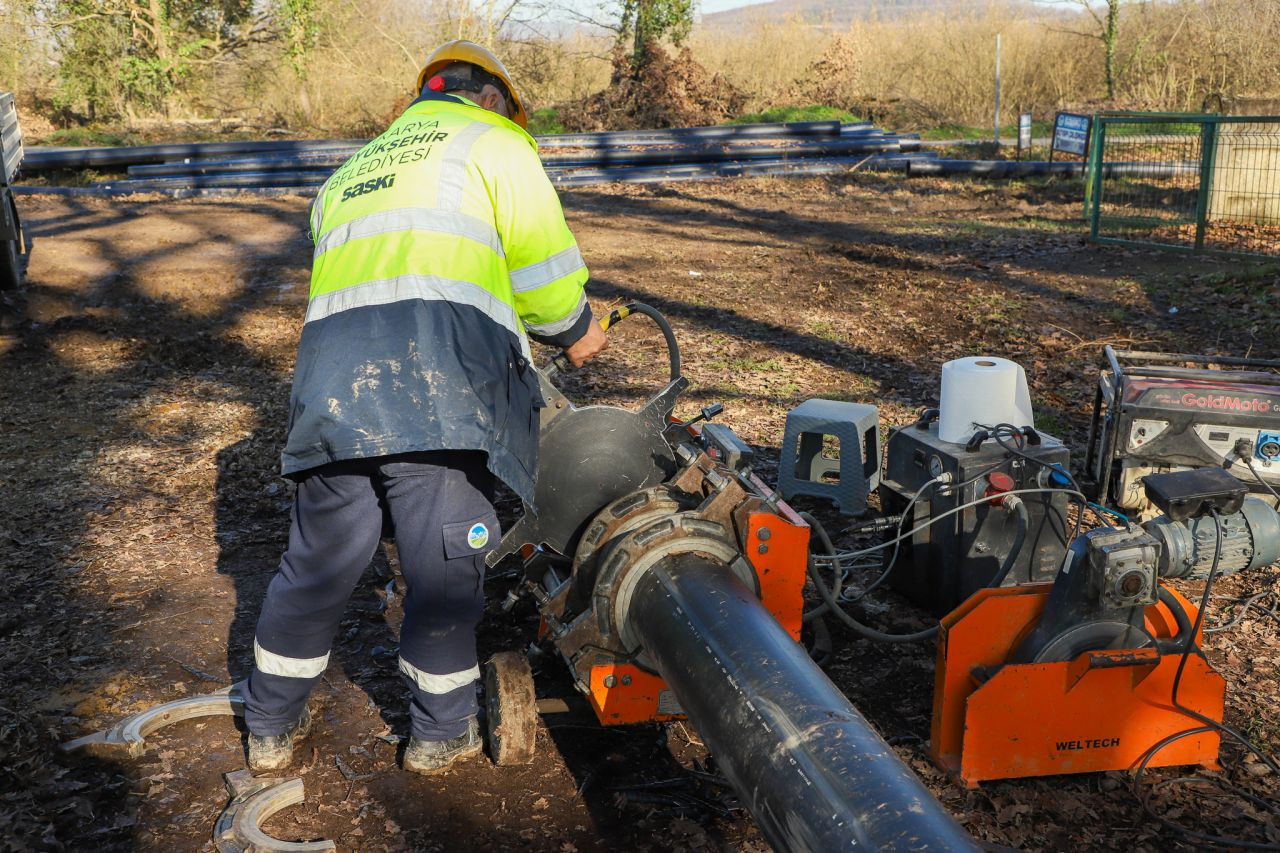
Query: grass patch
[[965, 131], [1051, 421], [748, 365], [1040, 224], [812, 112], [825, 330], [544, 121], [77, 137]]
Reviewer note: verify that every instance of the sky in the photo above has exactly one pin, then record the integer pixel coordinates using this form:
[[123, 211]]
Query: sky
[[708, 6]]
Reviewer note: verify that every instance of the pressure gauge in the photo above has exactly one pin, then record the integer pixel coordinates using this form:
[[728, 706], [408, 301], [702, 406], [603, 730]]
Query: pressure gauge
[[935, 466]]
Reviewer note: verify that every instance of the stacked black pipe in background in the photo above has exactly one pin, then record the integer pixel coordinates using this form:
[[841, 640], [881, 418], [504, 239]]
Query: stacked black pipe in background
[[821, 147], [39, 159]]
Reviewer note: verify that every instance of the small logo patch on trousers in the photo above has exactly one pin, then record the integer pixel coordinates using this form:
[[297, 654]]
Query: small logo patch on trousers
[[478, 536]]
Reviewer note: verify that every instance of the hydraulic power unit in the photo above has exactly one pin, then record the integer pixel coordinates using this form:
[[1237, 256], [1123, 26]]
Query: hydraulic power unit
[[954, 554]]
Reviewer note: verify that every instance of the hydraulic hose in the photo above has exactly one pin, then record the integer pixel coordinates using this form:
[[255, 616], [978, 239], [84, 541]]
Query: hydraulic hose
[[561, 364], [806, 764], [1178, 642], [833, 605]]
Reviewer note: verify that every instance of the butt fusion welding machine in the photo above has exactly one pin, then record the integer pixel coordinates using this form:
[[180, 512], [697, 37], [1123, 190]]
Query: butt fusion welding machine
[[1068, 663], [670, 580]]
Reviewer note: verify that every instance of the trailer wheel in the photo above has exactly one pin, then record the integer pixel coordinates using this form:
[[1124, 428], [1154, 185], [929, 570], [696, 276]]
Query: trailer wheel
[[10, 271], [511, 707]]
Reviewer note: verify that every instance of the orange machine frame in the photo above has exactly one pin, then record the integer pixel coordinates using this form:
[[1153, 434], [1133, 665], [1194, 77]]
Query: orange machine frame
[[622, 693], [1102, 711]]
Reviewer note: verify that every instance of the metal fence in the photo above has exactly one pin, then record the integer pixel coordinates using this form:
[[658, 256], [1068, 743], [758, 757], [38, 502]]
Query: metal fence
[[1203, 183]]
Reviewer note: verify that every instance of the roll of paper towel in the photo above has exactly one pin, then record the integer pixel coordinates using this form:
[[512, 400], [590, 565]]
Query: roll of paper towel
[[982, 390]]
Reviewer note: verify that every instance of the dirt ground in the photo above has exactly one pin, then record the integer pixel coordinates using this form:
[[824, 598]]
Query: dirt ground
[[146, 371]]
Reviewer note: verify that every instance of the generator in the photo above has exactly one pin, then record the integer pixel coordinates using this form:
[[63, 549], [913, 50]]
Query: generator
[[949, 558], [1160, 412]]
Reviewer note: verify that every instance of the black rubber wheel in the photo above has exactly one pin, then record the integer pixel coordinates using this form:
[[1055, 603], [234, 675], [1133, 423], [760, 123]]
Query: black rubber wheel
[[10, 271], [511, 707]]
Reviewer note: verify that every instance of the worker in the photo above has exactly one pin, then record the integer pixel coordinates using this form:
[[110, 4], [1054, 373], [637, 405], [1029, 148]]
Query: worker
[[438, 246]]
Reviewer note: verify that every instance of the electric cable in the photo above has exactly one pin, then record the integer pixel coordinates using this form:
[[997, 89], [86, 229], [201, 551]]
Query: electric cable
[[833, 606], [840, 556], [1210, 724], [1244, 603], [1024, 522], [888, 564], [1020, 438], [956, 509], [1258, 476], [893, 558], [1100, 509]]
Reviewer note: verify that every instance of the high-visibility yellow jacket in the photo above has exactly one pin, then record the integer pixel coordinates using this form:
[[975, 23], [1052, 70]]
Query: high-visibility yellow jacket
[[437, 246]]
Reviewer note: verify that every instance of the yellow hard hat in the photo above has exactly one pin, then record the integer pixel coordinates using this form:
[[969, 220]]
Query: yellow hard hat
[[468, 51]]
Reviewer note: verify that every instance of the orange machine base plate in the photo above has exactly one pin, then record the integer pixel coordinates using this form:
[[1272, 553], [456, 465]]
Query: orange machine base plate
[[1102, 711]]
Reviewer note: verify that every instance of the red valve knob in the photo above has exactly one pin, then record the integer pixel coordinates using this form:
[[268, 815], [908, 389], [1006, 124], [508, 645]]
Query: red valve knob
[[998, 483]]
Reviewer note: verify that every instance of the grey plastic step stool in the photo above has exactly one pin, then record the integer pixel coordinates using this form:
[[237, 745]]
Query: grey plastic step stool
[[846, 480]]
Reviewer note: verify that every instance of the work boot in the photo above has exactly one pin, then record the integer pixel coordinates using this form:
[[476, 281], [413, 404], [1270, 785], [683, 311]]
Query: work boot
[[433, 756], [275, 752]]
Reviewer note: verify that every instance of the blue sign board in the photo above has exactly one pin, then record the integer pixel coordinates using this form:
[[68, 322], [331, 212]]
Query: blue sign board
[[1024, 132], [1071, 133]]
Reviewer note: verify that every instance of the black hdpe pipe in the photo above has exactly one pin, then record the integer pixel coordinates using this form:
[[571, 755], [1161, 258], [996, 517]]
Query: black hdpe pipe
[[675, 171], [292, 183], [808, 766], [43, 159], [678, 135], [265, 163], [732, 169], [716, 153], [601, 157], [38, 159], [242, 179], [171, 193], [1027, 168]]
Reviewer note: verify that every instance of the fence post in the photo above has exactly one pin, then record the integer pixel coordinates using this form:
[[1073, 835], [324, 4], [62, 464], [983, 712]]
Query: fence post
[[997, 121], [1208, 152], [1093, 179]]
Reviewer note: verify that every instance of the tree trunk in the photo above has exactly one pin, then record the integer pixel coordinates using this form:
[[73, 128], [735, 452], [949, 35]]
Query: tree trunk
[[160, 31], [1109, 38], [643, 12]]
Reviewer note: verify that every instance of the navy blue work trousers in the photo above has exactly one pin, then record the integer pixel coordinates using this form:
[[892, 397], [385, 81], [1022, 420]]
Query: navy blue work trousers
[[440, 505]]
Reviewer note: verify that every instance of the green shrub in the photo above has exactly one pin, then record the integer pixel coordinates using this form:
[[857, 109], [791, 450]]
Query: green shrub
[[544, 121], [812, 112]]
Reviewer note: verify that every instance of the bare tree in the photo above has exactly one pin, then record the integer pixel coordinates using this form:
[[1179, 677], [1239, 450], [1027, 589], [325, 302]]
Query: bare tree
[[1106, 17]]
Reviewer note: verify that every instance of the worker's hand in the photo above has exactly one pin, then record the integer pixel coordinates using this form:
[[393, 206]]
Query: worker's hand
[[587, 347]]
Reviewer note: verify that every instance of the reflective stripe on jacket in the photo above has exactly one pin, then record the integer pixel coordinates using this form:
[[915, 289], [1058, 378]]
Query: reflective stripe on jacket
[[437, 246]]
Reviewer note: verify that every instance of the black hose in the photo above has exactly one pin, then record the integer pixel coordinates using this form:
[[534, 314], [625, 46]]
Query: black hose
[[673, 346], [1179, 641], [560, 362], [821, 609], [1019, 539], [833, 606]]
